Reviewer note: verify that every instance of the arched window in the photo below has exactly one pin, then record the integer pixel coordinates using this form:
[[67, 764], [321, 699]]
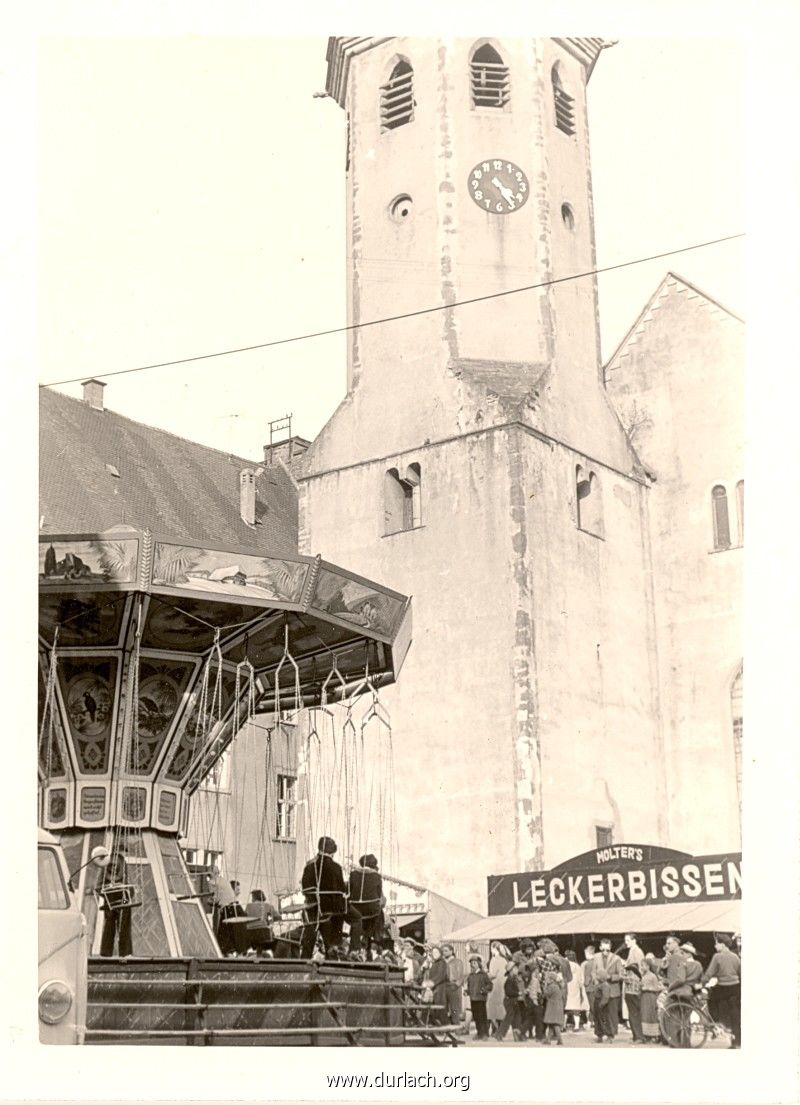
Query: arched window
[[740, 509], [563, 103], [397, 97], [489, 79], [590, 503], [402, 499], [737, 718], [719, 515]]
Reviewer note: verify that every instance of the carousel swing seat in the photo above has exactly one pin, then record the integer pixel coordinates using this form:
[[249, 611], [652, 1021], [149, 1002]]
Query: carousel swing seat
[[119, 896]]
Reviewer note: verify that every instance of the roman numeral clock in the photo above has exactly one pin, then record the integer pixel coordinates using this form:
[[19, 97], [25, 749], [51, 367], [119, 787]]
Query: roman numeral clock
[[498, 186]]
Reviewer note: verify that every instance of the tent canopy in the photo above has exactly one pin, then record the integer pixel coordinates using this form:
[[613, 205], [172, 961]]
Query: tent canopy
[[723, 916]]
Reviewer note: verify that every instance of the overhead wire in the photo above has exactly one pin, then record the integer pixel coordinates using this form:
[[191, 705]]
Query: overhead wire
[[397, 318]]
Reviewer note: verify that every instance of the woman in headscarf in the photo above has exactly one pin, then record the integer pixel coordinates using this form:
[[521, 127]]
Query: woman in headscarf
[[651, 987], [496, 1002], [434, 977]]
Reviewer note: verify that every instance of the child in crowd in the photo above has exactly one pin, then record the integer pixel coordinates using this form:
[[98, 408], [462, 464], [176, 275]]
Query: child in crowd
[[554, 1006], [651, 987], [478, 988]]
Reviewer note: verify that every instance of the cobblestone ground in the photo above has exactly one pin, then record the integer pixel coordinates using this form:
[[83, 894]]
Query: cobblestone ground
[[585, 1038]]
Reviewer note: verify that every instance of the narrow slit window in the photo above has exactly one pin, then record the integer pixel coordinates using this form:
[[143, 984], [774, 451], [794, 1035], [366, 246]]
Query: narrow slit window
[[721, 520], [740, 509], [563, 103], [397, 97], [489, 79]]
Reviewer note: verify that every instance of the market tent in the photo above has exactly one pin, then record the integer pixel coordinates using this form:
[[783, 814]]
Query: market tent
[[723, 916]]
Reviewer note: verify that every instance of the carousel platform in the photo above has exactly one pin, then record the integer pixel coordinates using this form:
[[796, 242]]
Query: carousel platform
[[234, 1002]]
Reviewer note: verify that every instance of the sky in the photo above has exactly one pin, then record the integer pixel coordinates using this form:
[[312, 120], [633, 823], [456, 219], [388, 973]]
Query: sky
[[166, 230]]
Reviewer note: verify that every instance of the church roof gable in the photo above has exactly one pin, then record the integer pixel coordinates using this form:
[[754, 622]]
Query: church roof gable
[[670, 285]]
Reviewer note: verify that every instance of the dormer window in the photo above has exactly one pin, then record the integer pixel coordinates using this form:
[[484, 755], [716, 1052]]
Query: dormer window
[[397, 97], [489, 80], [563, 103]]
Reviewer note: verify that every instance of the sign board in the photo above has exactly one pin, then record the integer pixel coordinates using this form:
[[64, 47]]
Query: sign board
[[619, 875]]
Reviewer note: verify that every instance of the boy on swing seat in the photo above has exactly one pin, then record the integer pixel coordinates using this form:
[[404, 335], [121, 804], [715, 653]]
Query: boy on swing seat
[[327, 906], [117, 918]]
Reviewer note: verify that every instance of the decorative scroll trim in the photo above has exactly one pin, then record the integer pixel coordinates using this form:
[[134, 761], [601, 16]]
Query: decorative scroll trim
[[311, 583], [146, 560]]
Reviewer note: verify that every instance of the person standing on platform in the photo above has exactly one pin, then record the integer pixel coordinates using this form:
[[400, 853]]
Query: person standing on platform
[[478, 988], [117, 921], [725, 999], [498, 966], [325, 893], [366, 896]]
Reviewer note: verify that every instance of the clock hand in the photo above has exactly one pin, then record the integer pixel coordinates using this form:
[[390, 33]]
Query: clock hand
[[506, 193]]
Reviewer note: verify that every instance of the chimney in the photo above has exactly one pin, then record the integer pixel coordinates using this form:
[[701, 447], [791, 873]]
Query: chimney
[[93, 393], [286, 452], [247, 496]]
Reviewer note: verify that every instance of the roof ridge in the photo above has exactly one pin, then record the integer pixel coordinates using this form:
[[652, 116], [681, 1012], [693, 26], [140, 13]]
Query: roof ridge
[[156, 429], [649, 305], [705, 295]]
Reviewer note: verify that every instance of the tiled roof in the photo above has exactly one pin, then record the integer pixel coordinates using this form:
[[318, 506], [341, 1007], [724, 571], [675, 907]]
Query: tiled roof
[[175, 487]]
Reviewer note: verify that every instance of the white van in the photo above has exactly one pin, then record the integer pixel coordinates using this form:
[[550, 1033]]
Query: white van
[[62, 947]]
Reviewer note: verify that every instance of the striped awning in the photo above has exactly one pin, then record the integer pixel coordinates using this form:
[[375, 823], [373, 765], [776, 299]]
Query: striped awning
[[722, 916]]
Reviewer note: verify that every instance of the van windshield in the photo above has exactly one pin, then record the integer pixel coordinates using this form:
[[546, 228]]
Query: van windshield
[[52, 891]]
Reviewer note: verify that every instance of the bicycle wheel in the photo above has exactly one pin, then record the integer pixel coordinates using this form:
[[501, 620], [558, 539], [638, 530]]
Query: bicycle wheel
[[683, 1025]]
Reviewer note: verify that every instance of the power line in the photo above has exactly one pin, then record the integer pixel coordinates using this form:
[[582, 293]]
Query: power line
[[397, 318]]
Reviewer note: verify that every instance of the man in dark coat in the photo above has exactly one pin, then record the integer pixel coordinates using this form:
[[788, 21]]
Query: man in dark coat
[[366, 896], [326, 906], [606, 968]]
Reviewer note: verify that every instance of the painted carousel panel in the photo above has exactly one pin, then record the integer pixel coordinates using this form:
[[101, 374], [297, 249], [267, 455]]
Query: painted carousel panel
[[88, 688], [358, 602], [80, 562], [239, 575]]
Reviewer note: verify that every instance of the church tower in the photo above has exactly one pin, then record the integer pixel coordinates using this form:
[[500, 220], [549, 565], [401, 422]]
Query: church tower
[[476, 462]]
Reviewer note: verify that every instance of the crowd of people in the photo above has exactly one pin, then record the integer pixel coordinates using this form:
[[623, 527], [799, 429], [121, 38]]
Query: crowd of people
[[537, 994]]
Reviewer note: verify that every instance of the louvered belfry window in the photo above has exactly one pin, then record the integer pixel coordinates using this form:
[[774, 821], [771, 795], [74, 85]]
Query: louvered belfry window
[[397, 97], [489, 79], [563, 103]]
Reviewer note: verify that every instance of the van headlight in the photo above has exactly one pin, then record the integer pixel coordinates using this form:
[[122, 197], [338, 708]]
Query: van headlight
[[55, 1000]]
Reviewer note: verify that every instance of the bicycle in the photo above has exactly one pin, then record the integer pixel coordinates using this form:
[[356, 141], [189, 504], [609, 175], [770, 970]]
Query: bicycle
[[686, 1022]]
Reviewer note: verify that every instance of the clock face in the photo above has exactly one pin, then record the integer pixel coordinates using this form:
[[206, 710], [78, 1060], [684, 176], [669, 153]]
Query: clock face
[[498, 186]]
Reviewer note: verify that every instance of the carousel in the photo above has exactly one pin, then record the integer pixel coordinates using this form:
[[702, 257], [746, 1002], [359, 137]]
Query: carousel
[[154, 656]]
